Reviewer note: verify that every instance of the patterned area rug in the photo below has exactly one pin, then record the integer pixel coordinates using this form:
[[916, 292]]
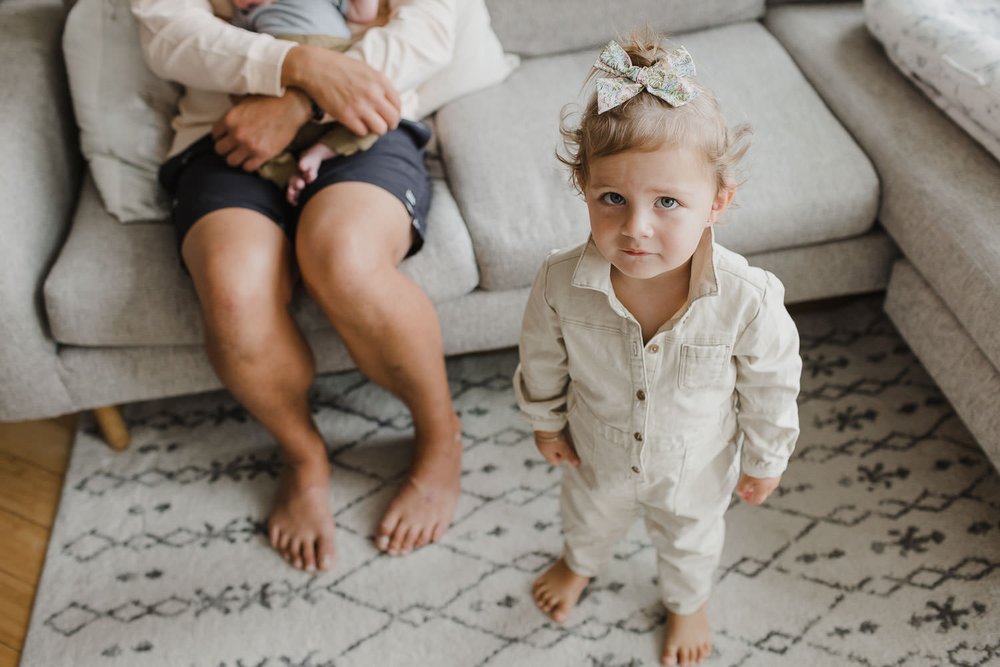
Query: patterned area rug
[[882, 547]]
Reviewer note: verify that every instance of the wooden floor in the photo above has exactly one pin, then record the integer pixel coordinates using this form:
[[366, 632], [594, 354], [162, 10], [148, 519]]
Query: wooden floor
[[33, 460]]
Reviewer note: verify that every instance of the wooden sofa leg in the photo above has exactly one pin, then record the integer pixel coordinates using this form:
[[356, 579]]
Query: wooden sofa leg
[[113, 427]]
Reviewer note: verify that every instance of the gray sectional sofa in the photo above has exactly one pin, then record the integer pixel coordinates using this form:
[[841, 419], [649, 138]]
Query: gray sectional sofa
[[857, 183]]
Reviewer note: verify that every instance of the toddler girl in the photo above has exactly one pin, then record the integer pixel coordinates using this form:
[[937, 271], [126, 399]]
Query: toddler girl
[[650, 355]]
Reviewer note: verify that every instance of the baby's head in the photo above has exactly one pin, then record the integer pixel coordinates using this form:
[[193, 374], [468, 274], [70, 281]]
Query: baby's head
[[655, 173]]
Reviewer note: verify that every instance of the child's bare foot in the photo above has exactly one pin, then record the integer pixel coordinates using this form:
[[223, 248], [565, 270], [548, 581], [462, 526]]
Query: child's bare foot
[[309, 162], [557, 591], [688, 640], [301, 525], [423, 508]]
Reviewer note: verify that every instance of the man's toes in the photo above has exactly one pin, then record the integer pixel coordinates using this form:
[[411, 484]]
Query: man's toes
[[325, 552], [423, 538], [386, 529], [309, 555], [398, 538], [410, 541]]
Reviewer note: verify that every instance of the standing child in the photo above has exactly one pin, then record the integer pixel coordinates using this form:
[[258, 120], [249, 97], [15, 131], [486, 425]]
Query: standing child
[[649, 354], [320, 23]]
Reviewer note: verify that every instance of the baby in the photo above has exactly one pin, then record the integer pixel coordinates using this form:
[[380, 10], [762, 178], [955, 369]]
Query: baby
[[655, 362], [321, 23]]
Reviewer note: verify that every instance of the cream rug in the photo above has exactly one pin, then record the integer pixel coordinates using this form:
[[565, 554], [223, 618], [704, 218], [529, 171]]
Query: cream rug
[[881, 549]]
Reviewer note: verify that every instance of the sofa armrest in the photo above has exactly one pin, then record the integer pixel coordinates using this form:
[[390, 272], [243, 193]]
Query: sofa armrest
[[39, 182]]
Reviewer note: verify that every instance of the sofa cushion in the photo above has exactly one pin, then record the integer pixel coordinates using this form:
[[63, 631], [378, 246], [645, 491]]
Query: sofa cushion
[[123, 285], [534, 28], [940, 199], [949, 50], [808, 181]]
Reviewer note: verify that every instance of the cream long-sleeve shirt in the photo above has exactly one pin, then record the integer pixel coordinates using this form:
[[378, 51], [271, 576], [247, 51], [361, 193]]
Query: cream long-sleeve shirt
[[192, 42], [726, 368]]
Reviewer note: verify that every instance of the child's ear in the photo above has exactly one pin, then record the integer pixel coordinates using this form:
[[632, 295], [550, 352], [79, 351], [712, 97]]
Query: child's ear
[[723, 198]]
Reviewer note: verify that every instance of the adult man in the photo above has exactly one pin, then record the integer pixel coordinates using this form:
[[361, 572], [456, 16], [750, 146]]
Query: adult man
[[365, 212]]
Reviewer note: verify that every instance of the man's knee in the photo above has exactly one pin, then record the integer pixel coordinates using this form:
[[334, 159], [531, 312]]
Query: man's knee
[[238, 286], [344, 261]]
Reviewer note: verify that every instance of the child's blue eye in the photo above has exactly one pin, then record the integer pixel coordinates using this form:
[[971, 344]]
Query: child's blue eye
[[612, 198], [667, 202]]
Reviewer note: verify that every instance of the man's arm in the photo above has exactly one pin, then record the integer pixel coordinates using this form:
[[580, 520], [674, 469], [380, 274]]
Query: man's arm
[[417, 42], [183, 41]]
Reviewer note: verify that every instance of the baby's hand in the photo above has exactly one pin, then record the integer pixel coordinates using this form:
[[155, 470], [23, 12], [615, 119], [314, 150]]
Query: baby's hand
[[556, 447], [755, 490]]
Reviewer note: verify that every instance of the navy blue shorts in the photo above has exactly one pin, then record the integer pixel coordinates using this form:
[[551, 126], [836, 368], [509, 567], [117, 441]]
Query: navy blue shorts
[[200, 181]]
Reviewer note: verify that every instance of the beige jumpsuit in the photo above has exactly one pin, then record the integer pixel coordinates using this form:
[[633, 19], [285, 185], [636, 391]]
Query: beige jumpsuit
[[659, 426]]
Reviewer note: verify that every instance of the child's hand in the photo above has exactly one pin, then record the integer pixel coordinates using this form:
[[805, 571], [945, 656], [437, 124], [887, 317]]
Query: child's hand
[[556, 447], [755, 490]]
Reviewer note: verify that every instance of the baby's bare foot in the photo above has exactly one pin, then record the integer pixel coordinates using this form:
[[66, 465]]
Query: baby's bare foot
[[423, 508], [557, 591], [688, 640], [309, 161], [301, 525]]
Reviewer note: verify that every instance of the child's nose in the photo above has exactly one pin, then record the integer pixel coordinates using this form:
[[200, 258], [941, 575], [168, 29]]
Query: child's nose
[[636, 226]]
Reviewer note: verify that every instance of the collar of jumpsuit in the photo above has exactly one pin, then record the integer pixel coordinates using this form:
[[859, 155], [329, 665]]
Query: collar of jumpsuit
[[593, 271]]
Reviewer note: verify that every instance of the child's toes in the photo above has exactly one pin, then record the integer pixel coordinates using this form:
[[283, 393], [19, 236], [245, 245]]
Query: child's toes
[[669, 656]]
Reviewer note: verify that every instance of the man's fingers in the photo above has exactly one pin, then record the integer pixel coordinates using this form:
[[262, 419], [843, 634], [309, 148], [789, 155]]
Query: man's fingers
[[237, 157], [390, 92], [375, 123], [353, 122], [389, 111]]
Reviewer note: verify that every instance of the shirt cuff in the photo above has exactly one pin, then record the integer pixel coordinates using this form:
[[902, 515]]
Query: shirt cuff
[[755, 466], [547, 423], [268, 57]]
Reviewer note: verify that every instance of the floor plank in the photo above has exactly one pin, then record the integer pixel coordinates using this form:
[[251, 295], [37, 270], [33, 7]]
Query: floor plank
[[15, 608], [28, 491], [44, 442], [8, 656], [24, 548]]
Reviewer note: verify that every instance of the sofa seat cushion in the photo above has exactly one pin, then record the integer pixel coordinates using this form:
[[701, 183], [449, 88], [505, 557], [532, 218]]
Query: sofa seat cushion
[[940, 200], [123, 285], [808, 183]]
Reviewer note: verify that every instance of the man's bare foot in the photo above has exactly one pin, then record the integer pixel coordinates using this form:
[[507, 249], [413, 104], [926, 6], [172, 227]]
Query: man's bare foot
[[423, 508], [301, 524], [688, 640], [557, 591], [309, 162]]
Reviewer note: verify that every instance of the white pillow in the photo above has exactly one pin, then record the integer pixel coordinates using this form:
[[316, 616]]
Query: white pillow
[[479, 60], [124, 110]]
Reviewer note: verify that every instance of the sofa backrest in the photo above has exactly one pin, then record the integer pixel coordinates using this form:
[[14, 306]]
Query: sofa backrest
[[542, 27]]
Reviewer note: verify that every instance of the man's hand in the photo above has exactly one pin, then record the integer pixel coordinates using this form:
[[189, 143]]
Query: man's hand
[[359, 97], [258, 127], [557, 447], [755, 490]]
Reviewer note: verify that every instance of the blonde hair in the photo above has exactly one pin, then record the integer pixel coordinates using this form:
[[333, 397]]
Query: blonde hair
[[645, 122]]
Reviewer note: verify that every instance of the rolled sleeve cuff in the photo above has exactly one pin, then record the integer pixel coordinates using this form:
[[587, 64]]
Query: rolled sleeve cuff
[[266, 60], [547, 423], [761, 467]]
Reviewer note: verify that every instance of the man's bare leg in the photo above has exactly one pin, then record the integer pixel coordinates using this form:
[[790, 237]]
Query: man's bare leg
[[241, 266], [350, 239]]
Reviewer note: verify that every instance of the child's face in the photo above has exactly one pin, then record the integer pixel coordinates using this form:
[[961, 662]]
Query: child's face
[[648, 209]]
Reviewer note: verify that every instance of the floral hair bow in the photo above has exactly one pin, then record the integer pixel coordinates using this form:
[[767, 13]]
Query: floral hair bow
[[667, 79]]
